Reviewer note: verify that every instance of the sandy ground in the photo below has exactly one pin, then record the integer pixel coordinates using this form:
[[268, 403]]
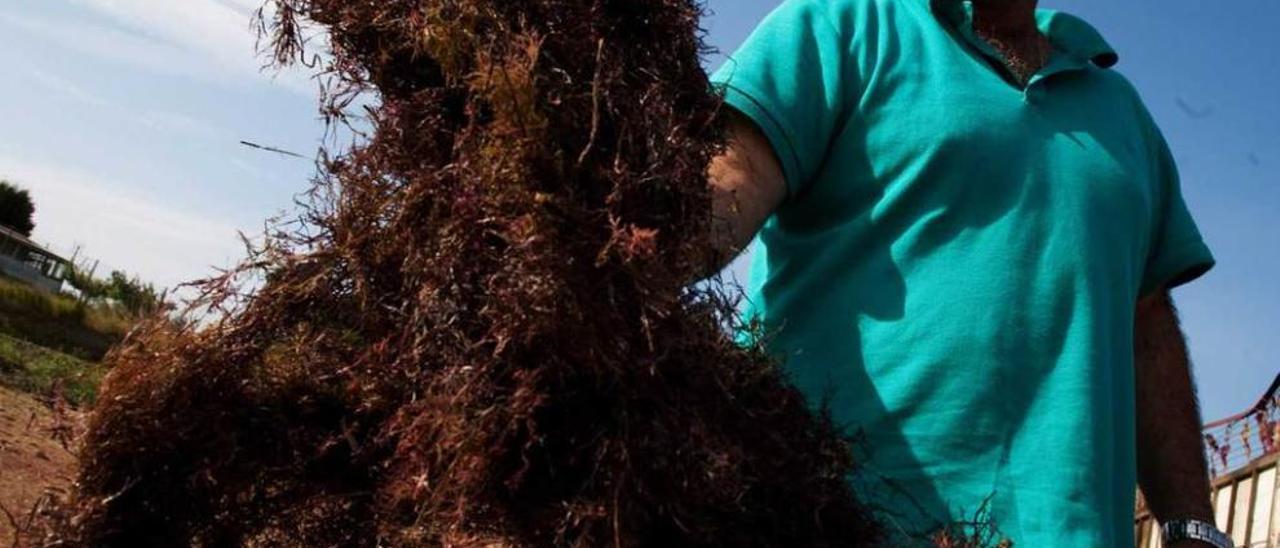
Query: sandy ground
[[32, 460]]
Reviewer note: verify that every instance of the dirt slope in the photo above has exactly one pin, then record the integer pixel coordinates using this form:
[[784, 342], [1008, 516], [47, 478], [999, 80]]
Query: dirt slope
[[32, 460]]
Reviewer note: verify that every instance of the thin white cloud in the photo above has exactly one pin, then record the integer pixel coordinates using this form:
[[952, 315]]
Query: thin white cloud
[[168, 122], [246, 168], [207, 40], [141, 234], [177, 123], [59, 84], [221, 31], [208, 27], [108, 43]]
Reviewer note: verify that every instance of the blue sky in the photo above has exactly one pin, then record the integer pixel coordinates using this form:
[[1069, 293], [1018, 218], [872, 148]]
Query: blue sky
[[123, 117]]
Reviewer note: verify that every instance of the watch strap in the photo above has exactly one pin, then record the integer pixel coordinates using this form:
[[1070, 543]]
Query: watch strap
[[1194, 529]]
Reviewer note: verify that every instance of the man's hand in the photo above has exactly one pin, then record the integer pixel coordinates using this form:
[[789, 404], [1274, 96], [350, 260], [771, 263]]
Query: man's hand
[[748, 185], [1172, 470]]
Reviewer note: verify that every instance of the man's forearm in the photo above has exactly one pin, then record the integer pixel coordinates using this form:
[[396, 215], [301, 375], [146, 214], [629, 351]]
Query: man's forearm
[[1172, 470]]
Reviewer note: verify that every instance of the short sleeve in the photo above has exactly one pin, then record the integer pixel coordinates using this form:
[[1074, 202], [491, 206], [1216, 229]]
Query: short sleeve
[[1178, 253], [788, 78]]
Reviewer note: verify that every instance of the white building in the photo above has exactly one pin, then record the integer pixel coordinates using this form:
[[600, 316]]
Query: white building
[[30, 263]]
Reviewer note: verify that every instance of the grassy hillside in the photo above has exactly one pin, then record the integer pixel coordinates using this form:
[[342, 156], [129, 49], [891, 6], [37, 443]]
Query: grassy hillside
[[35, 369], [58, 321]]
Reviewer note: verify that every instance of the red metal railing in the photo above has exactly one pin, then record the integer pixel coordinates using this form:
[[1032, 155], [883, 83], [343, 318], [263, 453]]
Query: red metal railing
[[1233, 442]]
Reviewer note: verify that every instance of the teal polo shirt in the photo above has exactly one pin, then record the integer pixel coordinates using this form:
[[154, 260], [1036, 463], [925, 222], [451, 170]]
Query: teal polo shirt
[[955, 269]]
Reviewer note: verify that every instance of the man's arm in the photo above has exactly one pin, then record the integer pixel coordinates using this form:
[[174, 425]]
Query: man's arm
[[747, 185], [1172, 470]]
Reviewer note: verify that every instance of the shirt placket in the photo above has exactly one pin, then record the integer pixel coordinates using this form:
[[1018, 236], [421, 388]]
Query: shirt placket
[[1059, 61]]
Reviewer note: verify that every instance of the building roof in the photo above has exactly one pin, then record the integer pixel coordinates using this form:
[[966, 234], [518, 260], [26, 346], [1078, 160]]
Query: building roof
[[14, 235]]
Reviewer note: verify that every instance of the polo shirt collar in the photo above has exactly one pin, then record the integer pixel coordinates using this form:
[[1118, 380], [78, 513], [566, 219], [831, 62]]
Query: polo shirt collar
[[1068, 33]]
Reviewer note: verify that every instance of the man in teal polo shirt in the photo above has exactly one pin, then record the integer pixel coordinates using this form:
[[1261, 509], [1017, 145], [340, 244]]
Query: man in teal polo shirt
[[967, 226]]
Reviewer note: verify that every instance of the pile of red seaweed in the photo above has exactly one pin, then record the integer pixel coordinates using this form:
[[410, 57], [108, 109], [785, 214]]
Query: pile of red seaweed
[[480, 330]]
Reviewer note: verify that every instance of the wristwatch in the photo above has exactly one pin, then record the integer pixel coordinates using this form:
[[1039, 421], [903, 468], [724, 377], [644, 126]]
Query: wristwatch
[[1194, 529]]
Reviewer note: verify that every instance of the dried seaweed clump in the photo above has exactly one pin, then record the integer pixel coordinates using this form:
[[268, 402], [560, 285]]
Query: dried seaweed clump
[[480, 330]]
